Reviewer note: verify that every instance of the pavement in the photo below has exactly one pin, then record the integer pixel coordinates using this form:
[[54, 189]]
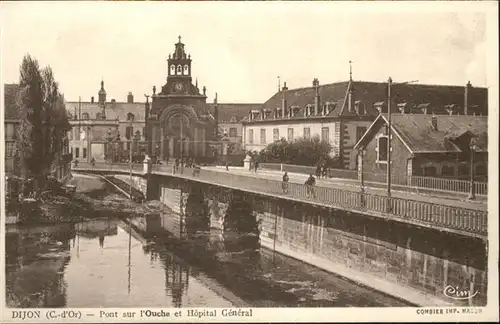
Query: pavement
[[336, 183], [353, 185]]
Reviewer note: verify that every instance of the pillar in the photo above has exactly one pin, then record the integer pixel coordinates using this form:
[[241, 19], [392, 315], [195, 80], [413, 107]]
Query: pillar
[[162, 144]]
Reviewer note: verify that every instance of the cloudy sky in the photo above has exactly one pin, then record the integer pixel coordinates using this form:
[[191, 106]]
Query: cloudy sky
[[239, 49]]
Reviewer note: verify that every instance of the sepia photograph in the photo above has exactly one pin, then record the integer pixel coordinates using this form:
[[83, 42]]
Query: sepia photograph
[[207, 160]]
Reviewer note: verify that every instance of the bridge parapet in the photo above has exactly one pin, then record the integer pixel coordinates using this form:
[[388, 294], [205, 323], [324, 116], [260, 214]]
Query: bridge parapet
[[456, 219]]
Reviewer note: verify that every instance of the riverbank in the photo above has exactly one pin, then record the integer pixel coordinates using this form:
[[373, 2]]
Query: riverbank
[[87, 203]]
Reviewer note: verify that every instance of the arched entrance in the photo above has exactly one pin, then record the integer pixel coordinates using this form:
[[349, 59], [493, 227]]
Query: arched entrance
[[178, 135]]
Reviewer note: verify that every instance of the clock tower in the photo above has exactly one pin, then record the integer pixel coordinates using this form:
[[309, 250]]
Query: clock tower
[[179, 123], [179, 72]]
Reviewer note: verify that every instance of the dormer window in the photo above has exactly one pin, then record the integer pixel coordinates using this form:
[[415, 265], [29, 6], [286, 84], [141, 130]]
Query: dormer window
[[360, 108], [293, 110], [308, 110], [253, 114], [179, 69], [402, 107], [424, 108], [379, 106], [232, 119], [451, 109]]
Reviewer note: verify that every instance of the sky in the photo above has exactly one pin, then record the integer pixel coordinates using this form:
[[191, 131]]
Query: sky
[[239, 49]]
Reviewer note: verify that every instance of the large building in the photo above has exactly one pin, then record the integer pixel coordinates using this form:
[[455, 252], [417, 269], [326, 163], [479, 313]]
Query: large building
[[177, 122], [340, 113]]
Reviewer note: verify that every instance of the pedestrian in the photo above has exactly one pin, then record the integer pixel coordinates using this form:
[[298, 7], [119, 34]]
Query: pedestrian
[[318, 171], [285, 183], [227, 166], [310, 183], [256, 166]]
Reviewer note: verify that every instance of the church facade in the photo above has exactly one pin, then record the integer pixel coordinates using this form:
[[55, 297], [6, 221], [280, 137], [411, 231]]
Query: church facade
[[179, 122]]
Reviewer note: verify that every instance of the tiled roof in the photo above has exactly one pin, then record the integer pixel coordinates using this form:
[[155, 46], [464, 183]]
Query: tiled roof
[[416, 96], [113, 110], [10, 93], [228, 110], [416, 131]]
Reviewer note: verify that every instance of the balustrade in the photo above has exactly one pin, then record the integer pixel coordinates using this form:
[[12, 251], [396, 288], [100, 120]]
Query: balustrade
[[451, 217]]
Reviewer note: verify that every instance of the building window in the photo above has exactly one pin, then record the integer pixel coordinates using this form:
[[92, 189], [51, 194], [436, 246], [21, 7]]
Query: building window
[[144, 131], [276, 134], [382, 143], [10, 149], [77, 152], [186, 70], [98, 116], [233, 132], [360, 108], [325, 134], [307, 132], [233, 119], [172, 70], [130, 117], [84, 153], [290, 134], [10, 132], [179, 69], [360, 131], [129, 132], [262, 136], [250, 136], [85, 116]]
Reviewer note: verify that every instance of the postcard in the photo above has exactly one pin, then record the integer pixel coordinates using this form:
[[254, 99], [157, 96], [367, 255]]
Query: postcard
[[249, 161]]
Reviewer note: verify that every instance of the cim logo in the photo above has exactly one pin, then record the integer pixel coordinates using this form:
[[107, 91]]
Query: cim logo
[[456, 293]]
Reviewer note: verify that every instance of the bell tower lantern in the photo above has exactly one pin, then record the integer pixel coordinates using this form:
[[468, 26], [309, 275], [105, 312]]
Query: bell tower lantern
[[179, 63]]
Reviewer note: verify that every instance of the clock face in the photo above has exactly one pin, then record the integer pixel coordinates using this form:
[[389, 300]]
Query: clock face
[[179, 86]]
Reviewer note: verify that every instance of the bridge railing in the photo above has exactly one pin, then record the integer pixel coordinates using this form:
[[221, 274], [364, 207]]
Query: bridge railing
[[405, 183], [422, 212]]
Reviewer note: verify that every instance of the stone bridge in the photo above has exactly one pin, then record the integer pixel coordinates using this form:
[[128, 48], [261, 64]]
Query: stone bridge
[[412, 253]]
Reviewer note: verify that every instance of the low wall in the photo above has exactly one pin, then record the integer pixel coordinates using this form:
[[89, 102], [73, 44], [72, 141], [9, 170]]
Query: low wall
[[418, 277]]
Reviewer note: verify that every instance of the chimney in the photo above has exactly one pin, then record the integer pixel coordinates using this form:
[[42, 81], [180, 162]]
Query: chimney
[[92, 99], [468, 86], [130, 98], [283, 101], [434, 123], [316, 98]]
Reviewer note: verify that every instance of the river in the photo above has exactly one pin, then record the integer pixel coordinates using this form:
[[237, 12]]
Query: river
[[106, 263]]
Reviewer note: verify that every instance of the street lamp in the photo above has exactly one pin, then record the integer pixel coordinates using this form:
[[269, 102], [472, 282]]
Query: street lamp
[[137, 139], [362, 153], [473, 148]]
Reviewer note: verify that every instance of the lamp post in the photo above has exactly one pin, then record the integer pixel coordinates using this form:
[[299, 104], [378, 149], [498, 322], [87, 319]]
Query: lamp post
[[137, 138], [362, 153], [130, 168], [472, 147]]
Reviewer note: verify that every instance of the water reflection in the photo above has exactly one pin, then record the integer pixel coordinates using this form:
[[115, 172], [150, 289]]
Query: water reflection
[[100, 263]]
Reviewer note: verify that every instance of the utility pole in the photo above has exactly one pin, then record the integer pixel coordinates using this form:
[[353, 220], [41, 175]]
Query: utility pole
[[389, 135]]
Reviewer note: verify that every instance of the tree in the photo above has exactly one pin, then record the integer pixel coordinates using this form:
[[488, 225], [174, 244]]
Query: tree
[[43, 120], [302, 151]]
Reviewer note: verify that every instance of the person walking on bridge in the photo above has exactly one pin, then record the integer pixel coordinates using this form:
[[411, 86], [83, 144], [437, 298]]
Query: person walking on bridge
[[310, 183], [284, 185]]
